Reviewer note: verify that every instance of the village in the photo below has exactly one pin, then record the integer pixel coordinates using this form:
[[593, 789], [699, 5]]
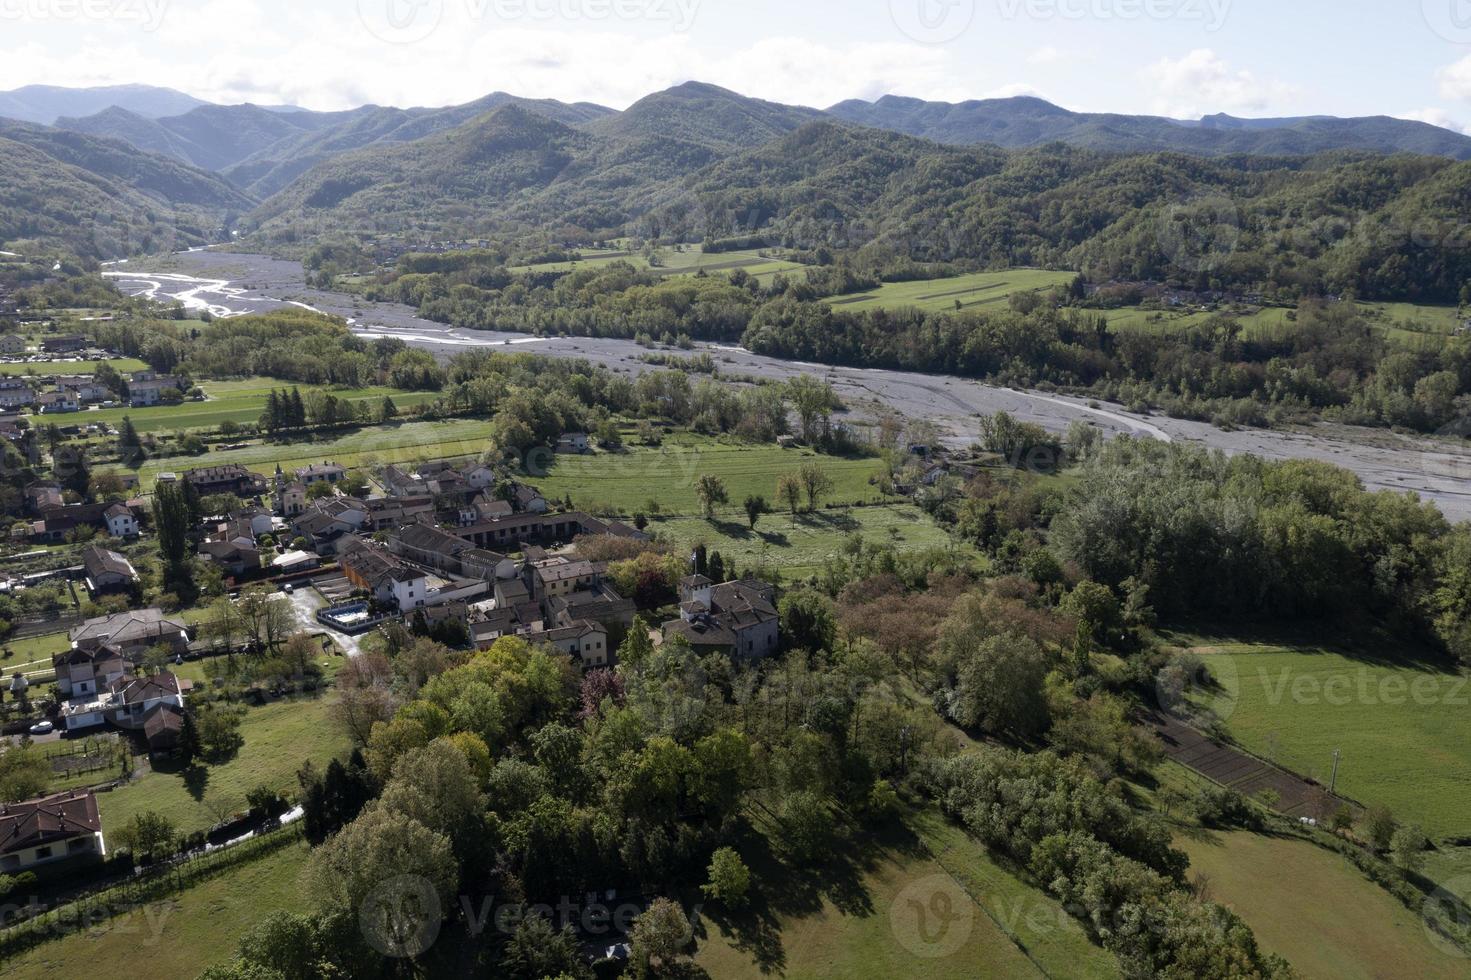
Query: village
[[454, 549]]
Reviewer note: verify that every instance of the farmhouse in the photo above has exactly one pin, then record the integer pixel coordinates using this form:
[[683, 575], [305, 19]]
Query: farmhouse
[[67, 344], [58, 402], [82, 673], [121, 521], [131, 634], [86, 386], [231, 479], [560, 577], [390, 580], [573, 443], [50, 829], [134, 698], [142, 394], [321, 473], [15, 393], [107, 571], [738, 618], [12, 343]]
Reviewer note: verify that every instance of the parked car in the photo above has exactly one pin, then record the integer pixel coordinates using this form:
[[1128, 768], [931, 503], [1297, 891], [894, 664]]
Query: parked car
[[288, 588], [42, 728]]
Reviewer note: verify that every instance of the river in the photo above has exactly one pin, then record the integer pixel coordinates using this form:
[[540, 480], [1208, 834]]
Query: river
[[230, 284]]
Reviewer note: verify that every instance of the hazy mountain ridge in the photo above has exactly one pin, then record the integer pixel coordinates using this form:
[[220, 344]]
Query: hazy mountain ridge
[[1025, 121], [45, 104]]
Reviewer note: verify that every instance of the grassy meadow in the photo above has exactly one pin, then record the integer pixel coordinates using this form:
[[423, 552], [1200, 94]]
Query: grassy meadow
[[1403, 730], [279, 739], [237, 401], [973, 292], [858, 915], [797, 546], [123, 365], [403, 442], [1317, 910], [627, 481], [801, 546], [687, 260], [182, 935]]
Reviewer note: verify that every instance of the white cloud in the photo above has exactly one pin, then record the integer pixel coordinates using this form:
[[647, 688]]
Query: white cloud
[[309, 57], [1455, 80], [1011, 91], [1435, 117], [1201, 82], [1046, 55]]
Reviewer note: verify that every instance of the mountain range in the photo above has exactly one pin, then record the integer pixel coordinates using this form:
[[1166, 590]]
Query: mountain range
[[506, 162]]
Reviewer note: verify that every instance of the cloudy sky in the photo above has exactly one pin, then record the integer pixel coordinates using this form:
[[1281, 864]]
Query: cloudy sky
[[1408, 58]]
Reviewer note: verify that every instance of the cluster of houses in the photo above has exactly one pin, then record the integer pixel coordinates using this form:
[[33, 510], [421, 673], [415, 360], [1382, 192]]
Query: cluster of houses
[[458, 543], [50, 519], [99, 682], [71, 393]]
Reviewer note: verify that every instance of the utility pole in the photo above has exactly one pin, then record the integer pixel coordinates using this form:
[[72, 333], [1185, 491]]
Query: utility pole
[[1333, 785]]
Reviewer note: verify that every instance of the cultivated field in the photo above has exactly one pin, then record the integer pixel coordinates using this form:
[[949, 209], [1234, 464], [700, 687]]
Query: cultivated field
[[1316, 909], [1404, 732], [688, 260], [1404, 322], [975, 291]]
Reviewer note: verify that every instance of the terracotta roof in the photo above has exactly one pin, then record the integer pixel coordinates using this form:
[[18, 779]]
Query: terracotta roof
[[136, 690], [53, 818]]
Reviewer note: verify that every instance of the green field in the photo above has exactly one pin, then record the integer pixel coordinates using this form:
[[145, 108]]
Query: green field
[[124, 365], [1317, 910], [687, 261], [800, 547], [1404, 322], [182, 935], [236, 401], [279, 739], [975, 291], [627, 481], [1404, 731], [398, 443], [858, 916], [33, 653]]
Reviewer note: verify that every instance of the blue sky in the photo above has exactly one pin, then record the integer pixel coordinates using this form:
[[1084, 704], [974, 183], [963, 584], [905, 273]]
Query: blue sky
[[1409, 58]]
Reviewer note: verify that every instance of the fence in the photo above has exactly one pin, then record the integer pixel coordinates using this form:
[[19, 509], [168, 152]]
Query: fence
[[92, 909]]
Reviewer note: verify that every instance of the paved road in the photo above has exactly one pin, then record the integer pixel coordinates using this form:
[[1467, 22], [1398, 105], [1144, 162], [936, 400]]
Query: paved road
[[229, 283]]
